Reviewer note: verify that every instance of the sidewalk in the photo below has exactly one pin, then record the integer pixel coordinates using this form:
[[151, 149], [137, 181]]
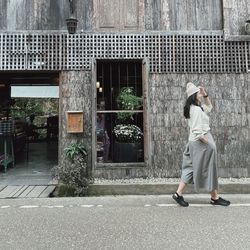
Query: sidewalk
[[159, 186]]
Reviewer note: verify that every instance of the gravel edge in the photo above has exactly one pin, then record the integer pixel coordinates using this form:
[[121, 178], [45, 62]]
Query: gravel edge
[[164, 181]]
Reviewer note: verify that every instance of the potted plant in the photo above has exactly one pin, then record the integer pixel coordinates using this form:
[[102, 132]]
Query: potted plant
[[128, 143], [128, 146]]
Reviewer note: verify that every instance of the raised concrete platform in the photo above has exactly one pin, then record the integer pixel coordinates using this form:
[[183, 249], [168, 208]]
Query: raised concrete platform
[[162, 186]]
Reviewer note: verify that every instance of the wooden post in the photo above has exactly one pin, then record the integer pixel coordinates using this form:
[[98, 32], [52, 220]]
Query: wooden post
[[75, 94]]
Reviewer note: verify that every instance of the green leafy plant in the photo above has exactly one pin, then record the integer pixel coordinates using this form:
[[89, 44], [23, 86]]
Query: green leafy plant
[[25, 107], [74, 150], [75, 173], [127, 100]]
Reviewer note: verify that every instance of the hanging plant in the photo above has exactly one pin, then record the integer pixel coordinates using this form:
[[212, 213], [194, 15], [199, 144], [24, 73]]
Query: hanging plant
[[127, 100]]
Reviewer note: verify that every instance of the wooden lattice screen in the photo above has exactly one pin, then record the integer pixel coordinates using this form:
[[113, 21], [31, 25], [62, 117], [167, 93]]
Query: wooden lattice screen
[[166, 53]]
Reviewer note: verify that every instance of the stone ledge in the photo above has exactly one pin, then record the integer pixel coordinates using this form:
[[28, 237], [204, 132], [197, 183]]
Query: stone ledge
[[231, 180], [159, 189], [237, 38]]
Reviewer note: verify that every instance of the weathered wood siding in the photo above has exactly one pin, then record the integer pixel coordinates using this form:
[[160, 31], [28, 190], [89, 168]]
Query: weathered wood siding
[[3, 14], [183, 15], [75, 95], [124, 15], [230, 121], [235, 12], [119, 15], [43, 14], [113, 15]]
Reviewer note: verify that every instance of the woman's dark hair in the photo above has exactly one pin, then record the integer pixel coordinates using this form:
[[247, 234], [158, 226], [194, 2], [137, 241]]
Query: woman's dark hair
[[190, 101]]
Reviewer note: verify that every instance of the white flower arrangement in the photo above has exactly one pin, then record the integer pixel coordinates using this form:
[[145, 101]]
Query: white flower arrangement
[[128, 133]]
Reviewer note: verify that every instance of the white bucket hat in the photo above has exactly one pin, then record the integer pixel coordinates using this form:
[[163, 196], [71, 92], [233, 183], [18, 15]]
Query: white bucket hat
[[191, 89]]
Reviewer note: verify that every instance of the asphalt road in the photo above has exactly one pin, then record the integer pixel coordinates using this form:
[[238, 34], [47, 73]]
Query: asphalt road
[[124, 222]]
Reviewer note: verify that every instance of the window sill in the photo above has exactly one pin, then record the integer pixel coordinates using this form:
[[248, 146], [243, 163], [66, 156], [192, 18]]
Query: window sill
[[120, 165]]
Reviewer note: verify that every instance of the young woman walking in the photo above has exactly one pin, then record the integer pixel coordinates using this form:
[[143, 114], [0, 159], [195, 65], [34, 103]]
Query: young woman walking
[[199, 164]]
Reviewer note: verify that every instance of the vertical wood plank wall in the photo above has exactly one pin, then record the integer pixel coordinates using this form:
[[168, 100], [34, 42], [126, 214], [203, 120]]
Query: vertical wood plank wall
[[169, 15], [235, 13], [143, 15], [43, 14], [183, 15]]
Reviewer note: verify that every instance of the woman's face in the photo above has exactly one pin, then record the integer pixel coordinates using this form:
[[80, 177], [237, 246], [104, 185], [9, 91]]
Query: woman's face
[[199, 96]]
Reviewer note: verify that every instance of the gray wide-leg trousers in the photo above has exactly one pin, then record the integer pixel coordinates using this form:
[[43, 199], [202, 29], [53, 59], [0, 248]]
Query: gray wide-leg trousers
[[199, 164]]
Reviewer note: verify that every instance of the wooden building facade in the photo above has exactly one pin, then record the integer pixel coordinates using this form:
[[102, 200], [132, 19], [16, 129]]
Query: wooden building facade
[[160, 45]]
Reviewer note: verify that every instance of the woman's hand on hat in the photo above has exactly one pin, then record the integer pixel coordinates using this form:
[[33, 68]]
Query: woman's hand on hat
[[202, 91]]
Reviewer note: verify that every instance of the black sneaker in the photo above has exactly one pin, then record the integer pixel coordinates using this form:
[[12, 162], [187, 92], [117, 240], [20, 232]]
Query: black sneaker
[[220, 202], [180, 200]]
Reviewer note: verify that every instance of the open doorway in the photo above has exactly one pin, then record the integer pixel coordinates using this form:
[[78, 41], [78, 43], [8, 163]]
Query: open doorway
[[28, 127], [119, 112]]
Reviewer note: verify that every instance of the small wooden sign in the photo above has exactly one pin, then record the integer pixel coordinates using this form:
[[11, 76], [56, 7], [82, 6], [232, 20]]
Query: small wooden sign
[[75, 121]]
